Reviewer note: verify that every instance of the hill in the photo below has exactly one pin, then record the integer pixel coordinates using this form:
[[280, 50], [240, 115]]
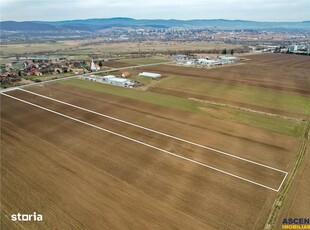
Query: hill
[[27, 26], [104, 23]]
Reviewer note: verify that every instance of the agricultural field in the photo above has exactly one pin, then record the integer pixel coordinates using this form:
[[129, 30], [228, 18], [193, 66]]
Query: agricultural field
[[135, 61], [274, 87], [251, 96], [276, 124], [32, 48], [96, 156], [97, 46], [298, 200], [144, 61]]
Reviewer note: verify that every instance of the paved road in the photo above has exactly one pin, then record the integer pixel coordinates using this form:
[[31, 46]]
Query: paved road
[[82, 75]]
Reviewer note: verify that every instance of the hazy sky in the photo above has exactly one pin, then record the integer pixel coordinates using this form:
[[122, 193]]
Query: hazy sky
[[259, 10]]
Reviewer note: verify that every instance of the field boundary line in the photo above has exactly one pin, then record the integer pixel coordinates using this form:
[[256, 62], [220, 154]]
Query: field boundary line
[[155, 131], [140, 142], [286, 174]]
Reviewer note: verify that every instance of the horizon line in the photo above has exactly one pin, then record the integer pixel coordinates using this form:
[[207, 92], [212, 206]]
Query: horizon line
[[120, 17]]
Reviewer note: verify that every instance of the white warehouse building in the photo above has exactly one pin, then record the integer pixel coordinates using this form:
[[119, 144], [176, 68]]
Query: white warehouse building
[[207, 62], [105, 78], [228, 59], [111, 79], [152, 75]]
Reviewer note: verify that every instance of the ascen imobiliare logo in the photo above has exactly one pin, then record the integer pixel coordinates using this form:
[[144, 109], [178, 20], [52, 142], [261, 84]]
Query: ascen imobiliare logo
[[27, 217], [296, 223]]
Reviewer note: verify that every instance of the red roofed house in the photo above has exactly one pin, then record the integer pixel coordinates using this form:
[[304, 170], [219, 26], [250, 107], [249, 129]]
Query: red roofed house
[[34, 71], [125, 74]]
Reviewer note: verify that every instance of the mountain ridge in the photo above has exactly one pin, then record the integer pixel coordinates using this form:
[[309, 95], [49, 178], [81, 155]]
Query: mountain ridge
[[96, 24]]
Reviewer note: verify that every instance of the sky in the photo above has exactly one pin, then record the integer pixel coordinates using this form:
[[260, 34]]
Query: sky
[[55, 10]]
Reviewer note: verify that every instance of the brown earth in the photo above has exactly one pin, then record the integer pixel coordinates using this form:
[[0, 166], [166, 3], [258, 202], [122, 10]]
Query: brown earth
[[297, 204], [193, 127], [238, 167], [79, 177], [290, 61], [116, 64]]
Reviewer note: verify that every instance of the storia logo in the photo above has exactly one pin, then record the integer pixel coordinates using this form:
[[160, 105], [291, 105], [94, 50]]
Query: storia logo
[[296, 223], [27, 217]]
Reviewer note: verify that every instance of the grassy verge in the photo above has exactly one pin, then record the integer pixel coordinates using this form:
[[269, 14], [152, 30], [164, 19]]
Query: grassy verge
[[49, 76], [32, 77], [274, 124]]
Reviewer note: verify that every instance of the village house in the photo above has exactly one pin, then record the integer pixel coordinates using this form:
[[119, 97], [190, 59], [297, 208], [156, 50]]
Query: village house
[[34, 71]]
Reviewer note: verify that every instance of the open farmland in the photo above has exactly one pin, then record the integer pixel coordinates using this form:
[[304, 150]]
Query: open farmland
[[276, 87], [95, 156], [134, 62], [96, 46], [298, 203], [280, 76], [276, 124], [144, 61]]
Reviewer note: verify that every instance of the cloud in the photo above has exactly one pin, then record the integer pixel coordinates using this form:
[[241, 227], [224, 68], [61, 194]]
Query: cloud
[[261, 10]]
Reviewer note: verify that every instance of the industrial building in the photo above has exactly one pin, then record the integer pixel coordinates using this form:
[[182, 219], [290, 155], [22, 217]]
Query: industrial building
[[179, 57], [207, 62], [106, 78], [111, 79], [228, 59], [299, 49], [151, 75]]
